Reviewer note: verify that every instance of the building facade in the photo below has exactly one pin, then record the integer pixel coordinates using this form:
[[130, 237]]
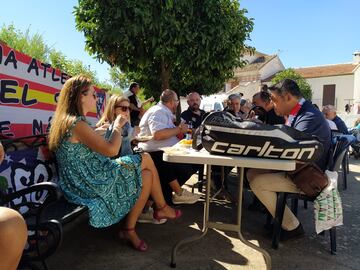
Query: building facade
[[337, 84], [247, 80]]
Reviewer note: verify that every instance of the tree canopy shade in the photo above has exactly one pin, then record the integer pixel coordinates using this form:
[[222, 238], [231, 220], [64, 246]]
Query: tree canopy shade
[[184, 44], [289, 73]]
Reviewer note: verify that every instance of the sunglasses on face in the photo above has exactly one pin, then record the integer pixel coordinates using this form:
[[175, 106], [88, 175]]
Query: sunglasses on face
[[123, 108]]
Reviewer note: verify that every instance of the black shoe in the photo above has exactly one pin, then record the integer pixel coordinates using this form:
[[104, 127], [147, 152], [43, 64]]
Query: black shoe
[[256, 205], [295, 233], [269, 227]]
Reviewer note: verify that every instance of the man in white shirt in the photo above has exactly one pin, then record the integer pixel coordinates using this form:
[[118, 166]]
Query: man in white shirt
[[158, 122]]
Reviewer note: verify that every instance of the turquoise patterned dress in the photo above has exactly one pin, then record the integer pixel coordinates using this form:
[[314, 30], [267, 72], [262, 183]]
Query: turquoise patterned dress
[[108, 187]]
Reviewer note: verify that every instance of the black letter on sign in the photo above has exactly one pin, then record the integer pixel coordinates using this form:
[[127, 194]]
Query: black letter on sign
[[5, 89], [46, 66], [11, 58], [64, 77], [37, 127], [56, 96], [24, 94], [52, 75], [0, 53], [4, 126], [33, 65]]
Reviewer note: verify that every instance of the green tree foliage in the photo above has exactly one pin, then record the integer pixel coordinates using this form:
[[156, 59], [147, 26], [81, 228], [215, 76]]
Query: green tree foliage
[[119, 78], [35, 46], [24, 42], [302, 83], [183, 44]]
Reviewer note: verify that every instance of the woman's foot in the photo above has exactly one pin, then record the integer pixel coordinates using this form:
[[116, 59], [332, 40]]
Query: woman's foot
[[131, 237], [167, 212]]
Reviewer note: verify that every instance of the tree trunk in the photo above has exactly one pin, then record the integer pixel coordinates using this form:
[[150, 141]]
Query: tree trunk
[[165, 76]]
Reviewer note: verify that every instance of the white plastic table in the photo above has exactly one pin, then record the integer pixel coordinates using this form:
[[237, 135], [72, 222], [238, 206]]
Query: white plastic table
[[204, 157]]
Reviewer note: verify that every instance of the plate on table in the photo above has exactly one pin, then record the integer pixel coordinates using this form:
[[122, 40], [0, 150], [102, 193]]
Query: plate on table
[[143, 138]]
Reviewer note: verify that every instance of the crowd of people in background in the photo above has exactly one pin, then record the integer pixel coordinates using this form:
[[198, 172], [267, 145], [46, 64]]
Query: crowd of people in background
[[120, 162]]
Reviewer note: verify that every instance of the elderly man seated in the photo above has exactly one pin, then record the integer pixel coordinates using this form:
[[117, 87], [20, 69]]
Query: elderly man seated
[[235, 102], [158, 122], [303, 116], [329, 112]]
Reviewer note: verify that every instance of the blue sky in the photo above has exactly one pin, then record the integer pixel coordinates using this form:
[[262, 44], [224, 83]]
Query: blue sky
[[302, 32]]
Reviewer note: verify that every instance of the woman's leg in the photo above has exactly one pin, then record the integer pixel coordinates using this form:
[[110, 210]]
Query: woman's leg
[[13, 235], [156, 191], [131, 218]]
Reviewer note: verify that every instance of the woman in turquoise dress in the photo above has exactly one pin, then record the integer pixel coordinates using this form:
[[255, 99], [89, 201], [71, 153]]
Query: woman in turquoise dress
[[111, 188]]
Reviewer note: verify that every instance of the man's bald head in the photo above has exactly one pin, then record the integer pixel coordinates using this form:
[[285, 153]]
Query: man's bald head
[[194, 100], [170, 99], [168, 96]]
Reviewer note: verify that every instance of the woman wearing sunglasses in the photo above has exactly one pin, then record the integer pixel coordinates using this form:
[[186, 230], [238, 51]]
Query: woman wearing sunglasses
[[115, 106], [111, 188]]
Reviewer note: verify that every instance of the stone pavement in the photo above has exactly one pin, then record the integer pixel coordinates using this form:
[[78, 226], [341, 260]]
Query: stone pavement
[[84, 247]]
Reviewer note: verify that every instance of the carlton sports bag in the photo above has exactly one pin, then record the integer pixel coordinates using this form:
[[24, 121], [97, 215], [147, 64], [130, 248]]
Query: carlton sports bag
[[223, 134]]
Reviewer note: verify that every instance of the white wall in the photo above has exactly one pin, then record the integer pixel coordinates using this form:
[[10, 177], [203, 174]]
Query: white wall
[[272, 67], [344, 89], [357, 84]]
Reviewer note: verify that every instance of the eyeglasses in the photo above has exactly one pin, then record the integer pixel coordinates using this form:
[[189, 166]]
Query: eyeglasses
[[123, 108]]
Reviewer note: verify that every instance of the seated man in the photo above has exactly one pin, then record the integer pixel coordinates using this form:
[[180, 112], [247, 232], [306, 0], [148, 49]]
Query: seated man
[[262, 99], [158, 122], [303, 116], [235, 103], [193, 114], [329, 112]]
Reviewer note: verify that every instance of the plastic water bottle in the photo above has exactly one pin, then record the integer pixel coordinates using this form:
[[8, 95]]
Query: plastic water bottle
[[189, 131]]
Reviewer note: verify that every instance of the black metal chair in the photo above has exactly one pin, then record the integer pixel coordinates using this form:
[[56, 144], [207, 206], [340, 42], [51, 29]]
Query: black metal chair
[[342, 144]]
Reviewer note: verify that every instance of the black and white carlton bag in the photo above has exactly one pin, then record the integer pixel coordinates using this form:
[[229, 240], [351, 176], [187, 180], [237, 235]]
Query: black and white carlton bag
[[223, 134]]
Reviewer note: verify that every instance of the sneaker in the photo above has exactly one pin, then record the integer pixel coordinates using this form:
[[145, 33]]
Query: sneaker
[[186, 197], [148, 217]]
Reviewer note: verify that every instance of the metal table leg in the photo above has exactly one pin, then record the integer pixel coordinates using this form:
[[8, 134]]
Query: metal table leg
[[205, 221], [241, 237], [228, 227]]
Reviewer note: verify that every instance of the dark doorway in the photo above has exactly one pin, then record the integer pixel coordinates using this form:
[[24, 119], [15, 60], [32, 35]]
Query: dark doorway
[[328, 94]]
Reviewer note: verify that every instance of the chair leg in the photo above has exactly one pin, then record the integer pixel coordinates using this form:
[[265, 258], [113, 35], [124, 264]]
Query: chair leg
[[294, 206], [333, 240], [305, 204], [279, 214], [344, 172]]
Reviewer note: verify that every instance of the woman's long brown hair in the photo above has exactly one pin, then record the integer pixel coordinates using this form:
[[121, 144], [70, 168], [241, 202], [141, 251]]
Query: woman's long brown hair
[[67, 109]]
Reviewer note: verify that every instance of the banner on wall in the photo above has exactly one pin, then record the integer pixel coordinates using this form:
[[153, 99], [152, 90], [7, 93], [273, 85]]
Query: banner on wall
[[28, 94]]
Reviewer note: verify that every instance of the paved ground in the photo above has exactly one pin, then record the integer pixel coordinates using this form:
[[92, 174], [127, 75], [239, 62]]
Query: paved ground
[[86, 248]]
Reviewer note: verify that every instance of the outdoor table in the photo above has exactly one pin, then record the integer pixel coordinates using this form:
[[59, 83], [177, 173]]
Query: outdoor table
[[204, 157]]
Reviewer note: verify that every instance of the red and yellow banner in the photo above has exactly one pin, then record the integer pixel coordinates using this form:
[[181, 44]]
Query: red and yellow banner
[[28, 94]]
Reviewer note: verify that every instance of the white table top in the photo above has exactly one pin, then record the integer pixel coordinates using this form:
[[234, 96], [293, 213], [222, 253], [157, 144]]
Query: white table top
[[204, 157]]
